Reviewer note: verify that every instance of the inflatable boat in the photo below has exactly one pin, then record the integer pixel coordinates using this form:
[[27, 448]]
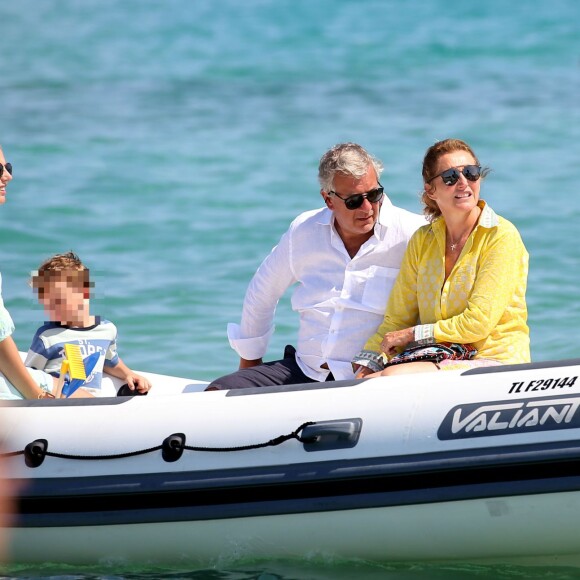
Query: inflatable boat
[[482, 465]]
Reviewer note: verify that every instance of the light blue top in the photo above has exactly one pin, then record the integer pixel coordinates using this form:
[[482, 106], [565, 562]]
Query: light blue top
[[7, 390], [6, 324]]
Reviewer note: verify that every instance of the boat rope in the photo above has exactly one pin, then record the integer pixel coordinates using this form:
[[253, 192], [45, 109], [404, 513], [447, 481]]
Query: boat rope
[[172, 448]]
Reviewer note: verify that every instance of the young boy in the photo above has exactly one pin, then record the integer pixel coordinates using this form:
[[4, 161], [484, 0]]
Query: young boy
[[63, 287]]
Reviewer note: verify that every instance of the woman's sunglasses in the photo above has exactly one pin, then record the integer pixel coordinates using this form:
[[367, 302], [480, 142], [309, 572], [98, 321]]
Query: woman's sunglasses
[[451, 176], [356, 200], [7, 166]]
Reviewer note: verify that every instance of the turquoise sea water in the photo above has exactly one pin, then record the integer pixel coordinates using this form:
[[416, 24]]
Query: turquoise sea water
[[170, 143]]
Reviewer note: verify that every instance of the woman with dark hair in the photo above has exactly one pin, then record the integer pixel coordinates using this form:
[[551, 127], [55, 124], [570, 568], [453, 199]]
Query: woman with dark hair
[[459, 299]]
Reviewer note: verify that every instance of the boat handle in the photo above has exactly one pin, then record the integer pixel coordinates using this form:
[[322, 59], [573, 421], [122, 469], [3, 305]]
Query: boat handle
[[336, 434]]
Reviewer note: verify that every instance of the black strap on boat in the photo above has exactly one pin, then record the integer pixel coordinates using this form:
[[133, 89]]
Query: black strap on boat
[[172, 448]]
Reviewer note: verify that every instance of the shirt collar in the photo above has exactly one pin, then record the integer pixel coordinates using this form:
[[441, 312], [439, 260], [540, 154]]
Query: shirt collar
[[488, 218], [385, 215], [325, 217]]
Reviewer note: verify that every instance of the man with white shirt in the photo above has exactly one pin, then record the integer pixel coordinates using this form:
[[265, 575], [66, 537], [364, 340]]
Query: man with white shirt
[[343, 259]]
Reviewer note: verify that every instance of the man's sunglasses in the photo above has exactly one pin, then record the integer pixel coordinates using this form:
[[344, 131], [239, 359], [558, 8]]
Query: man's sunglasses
[[451, 176], [356, 200], [7, 166]]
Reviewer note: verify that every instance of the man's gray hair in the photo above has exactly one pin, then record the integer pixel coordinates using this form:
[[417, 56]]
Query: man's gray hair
[[348, 159]]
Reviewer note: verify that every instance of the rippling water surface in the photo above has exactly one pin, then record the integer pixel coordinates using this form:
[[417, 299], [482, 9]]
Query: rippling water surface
[[170, 144]]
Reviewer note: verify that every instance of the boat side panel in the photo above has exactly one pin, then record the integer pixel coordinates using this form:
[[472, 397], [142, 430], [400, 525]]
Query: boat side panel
[[541, 528], [400, 418], [304, 488]]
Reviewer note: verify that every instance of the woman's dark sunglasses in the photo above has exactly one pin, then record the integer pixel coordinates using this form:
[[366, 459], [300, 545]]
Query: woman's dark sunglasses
[[356, 200], [7, 166], [451, 176]]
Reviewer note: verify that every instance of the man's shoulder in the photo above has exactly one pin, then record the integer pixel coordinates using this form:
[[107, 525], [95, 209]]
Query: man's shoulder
[[402, 219], [320, 216]]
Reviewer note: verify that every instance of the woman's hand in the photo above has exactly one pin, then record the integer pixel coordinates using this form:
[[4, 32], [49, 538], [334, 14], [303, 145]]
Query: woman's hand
[[397, 338], [362, 372]]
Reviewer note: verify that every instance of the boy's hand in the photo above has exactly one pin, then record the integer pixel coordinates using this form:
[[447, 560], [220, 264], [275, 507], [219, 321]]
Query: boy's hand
[[134, 380], [137, 382]]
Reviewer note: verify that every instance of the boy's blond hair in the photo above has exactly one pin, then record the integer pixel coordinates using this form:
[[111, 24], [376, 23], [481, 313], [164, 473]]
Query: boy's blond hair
[[59, 265]]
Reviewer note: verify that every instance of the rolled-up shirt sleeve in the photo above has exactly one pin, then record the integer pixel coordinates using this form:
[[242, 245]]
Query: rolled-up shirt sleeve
[[251, 348], [275, 275]]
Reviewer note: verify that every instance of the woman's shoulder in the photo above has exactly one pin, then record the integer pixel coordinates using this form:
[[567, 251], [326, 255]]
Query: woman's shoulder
[[423, 237], [505, 224], [496, 224], [506, 229], [428, 230], [504, 235]]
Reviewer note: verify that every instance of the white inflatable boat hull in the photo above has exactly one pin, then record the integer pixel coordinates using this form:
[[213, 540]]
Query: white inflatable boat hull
[[438, 466]]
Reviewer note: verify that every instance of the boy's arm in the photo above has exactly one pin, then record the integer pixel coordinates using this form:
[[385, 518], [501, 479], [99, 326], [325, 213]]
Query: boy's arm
[[134, 380], [13, 368]]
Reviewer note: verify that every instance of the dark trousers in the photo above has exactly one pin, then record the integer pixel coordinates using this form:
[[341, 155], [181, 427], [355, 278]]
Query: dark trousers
[[278, 372]]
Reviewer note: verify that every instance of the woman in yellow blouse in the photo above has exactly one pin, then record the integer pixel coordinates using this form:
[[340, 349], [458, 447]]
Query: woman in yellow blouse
[[463, 278]]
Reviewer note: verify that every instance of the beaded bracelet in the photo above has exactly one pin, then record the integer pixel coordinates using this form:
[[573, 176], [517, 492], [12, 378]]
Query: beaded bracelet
[[370, 359]]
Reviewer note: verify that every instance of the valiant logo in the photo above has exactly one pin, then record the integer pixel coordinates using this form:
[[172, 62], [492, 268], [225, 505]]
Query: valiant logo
[[507, 417]]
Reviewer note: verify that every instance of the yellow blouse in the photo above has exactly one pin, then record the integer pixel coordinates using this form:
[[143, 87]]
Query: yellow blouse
[[482, 302]]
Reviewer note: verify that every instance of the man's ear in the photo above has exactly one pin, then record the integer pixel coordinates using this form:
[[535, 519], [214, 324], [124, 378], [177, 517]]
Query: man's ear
[[327, 199]]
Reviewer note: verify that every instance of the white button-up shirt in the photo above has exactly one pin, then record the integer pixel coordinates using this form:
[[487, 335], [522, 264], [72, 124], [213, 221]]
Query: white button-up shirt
[[341, 300]]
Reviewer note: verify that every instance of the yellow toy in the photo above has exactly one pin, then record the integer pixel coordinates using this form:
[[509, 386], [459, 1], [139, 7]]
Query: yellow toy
[[73, 364]]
